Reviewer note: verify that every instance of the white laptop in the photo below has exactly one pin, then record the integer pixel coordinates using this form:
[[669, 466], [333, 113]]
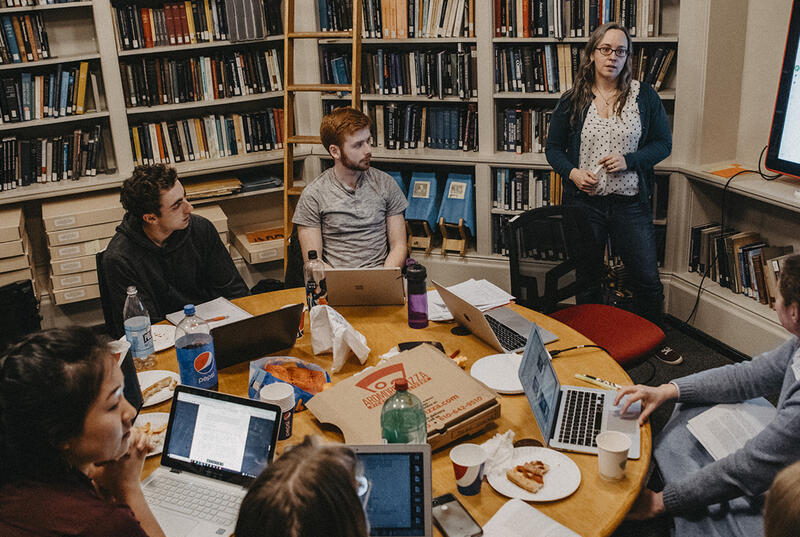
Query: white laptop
[[501, 328], [215, 446], [377, 286], [571, 417], [398, 491]]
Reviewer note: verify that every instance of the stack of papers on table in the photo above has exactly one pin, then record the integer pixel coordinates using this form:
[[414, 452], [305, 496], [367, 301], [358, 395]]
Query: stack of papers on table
[[216, 312], [518, 519], [725, 428], [480, 293]]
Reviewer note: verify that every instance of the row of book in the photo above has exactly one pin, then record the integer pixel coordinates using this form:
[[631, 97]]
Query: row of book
[[652, 65], [412, 126], [177, 23], [401, 19], [149, 81], [522, 129], [208, 137], [23, 39], [573, 18], [61, 92], [25, 3], [55, 158], [431, 73], [744, 262], [522, 190]]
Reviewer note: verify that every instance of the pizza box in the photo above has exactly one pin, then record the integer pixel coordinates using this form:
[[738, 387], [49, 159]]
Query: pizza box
[[18, 262], [65, 281], [76, 264], [455, 403], [11, 248], [215, 215], [259, 243], [86, 210], [81, 234], [15, 276], [11, 224], [75, 294], [57, 253]]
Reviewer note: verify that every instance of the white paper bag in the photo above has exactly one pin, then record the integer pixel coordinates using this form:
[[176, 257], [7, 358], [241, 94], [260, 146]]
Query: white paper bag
[[329, 330]]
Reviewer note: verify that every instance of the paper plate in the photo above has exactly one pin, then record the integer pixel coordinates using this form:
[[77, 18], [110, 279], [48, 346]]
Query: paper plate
[[163, 336], [560, 481], [148, 378], [156, 420], [499, 372]]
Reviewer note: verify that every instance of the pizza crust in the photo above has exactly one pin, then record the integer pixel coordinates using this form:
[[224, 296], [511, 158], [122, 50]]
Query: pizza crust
[[529, 476]]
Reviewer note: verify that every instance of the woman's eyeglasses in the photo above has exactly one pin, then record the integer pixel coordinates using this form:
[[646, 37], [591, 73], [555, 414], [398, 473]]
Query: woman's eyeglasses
[[620, 52]]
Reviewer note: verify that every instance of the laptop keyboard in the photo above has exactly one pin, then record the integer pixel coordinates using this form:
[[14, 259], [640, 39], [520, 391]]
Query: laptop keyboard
[[582, 417], [194, 499], [509, 339]]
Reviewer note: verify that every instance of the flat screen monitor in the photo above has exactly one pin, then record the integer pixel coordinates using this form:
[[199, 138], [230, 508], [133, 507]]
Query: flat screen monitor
[[783, 152]]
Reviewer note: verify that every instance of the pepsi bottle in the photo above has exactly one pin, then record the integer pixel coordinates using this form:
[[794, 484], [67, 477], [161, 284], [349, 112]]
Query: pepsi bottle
[[195, 349]]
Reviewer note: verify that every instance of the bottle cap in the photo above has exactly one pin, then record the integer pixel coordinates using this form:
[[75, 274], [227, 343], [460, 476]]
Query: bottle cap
[[401, 385], [312, 254], [416, 272], [131, 289], [188, 309]]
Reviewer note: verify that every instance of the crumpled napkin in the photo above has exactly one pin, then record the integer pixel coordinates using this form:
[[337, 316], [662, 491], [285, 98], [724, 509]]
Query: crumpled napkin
[[499, 452], [329, 330]]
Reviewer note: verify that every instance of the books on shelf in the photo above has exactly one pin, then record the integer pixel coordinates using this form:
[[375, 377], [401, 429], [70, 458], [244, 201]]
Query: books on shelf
[[652, 64], [23, 39], [522, 129], [545, 68], [56, 158], [149, 81], [57, 92], [573, 18], [24, 3], [207, 137], [525, 189], [402, 19]]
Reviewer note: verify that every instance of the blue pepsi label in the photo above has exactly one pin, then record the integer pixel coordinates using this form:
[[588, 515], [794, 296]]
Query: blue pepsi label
[[196, 361]]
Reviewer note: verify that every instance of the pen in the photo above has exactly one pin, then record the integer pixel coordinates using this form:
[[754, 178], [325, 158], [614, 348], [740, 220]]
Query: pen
[[455, 353], [215, 319], [603, 383]]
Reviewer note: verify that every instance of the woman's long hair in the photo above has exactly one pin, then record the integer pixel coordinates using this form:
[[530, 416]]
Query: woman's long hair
[[581, 93], [782, 507]]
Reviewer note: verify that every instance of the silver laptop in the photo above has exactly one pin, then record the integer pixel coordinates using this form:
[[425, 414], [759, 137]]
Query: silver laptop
[[377, 286], [398, 491], [501, 328], [571, 417], [215, 446]]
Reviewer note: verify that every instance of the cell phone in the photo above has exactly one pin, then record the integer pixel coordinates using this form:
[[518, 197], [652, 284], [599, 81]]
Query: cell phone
[[453, 519]]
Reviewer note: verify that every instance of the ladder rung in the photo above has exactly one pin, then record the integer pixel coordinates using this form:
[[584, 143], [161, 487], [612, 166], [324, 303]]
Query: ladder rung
[[294, 191], [305, 140], [319, 87], [319, 35]]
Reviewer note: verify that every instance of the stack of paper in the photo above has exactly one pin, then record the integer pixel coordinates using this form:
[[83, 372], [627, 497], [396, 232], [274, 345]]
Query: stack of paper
[[725, 428], [480, 293], [216, 312], [518, 519]]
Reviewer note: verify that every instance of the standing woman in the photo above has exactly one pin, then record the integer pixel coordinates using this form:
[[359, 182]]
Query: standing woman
[[69, 458], [606, 134]]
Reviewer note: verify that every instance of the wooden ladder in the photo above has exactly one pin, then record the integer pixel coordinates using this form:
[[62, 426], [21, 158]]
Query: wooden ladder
[[291, 193]]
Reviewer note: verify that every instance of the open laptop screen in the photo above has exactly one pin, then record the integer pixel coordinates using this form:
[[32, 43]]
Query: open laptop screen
[[222, 436], [539, 380]]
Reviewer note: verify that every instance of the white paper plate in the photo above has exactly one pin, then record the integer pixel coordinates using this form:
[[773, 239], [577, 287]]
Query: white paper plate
[[499, 372], [156, 420], [163, 336], [148, 378], [560, 481]]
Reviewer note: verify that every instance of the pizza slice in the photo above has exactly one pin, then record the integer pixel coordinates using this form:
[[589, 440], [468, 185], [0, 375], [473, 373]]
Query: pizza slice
[[529, 476]]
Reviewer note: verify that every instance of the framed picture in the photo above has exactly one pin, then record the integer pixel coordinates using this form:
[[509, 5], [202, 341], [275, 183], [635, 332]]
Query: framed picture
[[422, 189], [457, 190]]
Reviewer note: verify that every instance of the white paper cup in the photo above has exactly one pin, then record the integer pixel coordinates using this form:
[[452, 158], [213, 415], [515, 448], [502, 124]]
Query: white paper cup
[[468, 462], [281, 394], [612, 457]]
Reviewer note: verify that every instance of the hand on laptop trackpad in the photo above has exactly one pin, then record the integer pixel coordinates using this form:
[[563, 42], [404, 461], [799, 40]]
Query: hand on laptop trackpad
[[175, 524], [631, 413]]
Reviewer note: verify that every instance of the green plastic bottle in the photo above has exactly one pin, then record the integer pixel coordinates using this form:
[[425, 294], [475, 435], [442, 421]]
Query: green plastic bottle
[[403, 418]]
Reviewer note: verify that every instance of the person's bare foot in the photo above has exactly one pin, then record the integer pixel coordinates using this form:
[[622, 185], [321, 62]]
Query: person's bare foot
[[648, 504]]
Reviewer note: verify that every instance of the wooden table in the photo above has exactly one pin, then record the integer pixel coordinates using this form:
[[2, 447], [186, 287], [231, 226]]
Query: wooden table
[[596, 508]]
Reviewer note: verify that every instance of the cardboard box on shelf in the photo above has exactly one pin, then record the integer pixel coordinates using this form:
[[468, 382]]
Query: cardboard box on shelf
[[81, 234], [12, 226], [18, 262], [11, 248], [57, 253], [85, 210], [455, 403], [65, 281], [75, 294], [259, 243], [15, 276], [71, 266], [215, 215]]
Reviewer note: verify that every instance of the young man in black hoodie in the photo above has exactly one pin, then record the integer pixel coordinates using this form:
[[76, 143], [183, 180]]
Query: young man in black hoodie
[[172, 256]]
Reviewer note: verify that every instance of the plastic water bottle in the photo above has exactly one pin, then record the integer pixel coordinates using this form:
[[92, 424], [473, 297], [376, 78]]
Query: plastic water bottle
[[417, 296], [136, 320], [403, 418], [195, 349], [314, 275]]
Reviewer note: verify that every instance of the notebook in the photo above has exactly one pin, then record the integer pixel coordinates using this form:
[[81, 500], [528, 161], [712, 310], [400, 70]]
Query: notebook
[[252, 338], [571, 417], [501, 328], [398, 491], [215, 446], [378, 286]]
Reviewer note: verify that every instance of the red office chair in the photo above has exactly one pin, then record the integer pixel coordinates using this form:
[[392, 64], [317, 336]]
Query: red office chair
[[557, 241]]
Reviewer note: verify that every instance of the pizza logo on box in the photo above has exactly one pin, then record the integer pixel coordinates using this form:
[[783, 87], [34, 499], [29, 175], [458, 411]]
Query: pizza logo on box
[[382, 379]]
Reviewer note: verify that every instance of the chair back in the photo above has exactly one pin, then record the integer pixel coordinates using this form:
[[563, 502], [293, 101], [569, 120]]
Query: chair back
[[398, 178], [19, 310], [294, 262], [458, 201], [105, 298], [551, 243]]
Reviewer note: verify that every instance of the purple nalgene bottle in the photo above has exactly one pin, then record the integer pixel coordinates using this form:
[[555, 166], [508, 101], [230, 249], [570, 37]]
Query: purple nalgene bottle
[[417, 296]]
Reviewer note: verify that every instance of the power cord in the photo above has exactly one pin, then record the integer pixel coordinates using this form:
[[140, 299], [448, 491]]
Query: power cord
[[556, 352]]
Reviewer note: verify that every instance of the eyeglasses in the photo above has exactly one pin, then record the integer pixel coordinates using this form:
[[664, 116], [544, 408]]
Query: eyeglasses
[[606, 51]]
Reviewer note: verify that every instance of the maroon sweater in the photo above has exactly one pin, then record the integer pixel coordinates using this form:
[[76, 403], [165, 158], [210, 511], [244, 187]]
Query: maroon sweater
[[30, 508]]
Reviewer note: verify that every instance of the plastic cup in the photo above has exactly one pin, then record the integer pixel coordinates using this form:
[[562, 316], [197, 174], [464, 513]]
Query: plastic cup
[[612, 454], [119, 348], [281, 394], [468, 462]]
